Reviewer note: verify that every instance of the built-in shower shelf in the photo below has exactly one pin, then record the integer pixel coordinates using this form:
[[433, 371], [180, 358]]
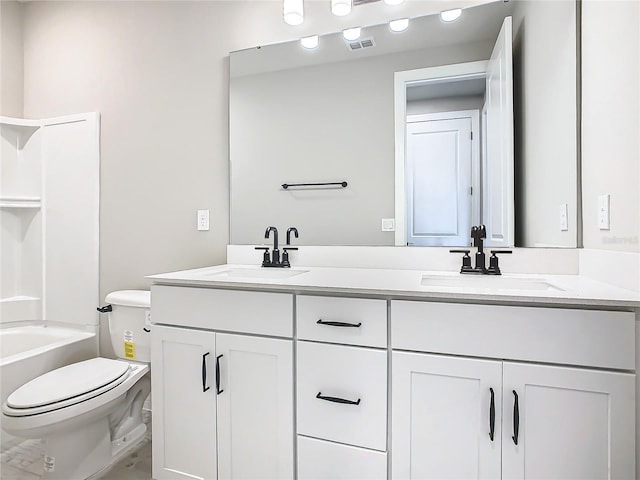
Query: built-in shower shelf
[[20, 128], [19, 202]]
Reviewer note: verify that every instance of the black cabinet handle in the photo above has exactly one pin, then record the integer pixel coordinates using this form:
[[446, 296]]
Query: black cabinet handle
[[492, 416], [218, 391], [337, 400], [204, 372], [516, 418], [339, 324]]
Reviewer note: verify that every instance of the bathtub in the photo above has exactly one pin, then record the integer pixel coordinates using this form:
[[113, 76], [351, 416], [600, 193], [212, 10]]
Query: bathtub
[[27, 352]]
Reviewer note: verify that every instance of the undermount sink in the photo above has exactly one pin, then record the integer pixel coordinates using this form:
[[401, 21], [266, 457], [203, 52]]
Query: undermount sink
[[497, 282], [257, 273]]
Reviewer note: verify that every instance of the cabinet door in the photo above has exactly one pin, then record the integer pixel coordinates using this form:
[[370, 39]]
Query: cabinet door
[[184, 403], [442, 416], [255, 407], [572, 423]]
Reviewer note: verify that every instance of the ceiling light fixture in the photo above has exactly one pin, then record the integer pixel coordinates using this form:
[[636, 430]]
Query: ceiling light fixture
[[351, 34], [340, 8], [293, 12], [451, 15], [393, 2], [399, 25], [309, 42]]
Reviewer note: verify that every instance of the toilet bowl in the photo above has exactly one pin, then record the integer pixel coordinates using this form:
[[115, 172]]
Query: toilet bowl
[[90, 413]]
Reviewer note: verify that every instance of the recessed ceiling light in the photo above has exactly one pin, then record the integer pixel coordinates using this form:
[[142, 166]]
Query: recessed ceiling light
[[399, 25], [309, 42], [451, 15], [341, 7], [292, 12], [351, 34]]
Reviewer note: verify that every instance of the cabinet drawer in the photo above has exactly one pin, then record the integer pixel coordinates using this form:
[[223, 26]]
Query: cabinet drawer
[[347, 373], [551, 335], [354, 321], [227, 310], [321, 460]]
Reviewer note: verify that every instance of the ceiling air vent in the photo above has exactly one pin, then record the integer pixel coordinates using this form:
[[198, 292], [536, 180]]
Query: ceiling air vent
[[361, 44]]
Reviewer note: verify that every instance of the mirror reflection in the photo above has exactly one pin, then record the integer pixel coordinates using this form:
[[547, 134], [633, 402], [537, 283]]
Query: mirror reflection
[[335, 114]]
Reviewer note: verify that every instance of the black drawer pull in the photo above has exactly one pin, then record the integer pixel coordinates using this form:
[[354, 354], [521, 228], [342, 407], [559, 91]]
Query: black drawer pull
[[204, 372], [339, 324], [516, 418], [337, 400], [218, 391], [492, 416]]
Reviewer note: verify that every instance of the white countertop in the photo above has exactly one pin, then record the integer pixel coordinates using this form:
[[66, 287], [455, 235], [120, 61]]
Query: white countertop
[[571, 290]]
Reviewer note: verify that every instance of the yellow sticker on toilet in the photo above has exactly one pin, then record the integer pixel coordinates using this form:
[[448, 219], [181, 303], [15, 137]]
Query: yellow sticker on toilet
[[129, 350]]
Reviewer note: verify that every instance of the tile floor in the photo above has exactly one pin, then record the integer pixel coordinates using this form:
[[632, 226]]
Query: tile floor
[[24, 460]]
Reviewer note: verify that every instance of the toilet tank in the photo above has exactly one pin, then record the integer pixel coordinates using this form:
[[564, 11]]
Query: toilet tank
[[129, 324]]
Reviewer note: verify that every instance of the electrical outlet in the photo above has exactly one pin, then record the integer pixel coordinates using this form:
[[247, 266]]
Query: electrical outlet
[[203, 220], [564, 221], [603, 212], [388, 224]]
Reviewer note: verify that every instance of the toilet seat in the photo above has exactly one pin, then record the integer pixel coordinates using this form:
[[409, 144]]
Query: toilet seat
[[67, 386]]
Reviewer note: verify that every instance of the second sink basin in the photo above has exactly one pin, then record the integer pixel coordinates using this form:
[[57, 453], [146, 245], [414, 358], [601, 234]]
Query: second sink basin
[[257, 273], [497, 282]]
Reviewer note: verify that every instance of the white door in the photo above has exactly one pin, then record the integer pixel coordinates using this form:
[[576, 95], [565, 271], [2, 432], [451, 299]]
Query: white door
[[184, 403], [572, 423], [498, 206], [255, 407], [438, 177], [445, 417]]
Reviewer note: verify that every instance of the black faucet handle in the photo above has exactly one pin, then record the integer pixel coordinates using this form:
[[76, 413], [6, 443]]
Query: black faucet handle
[[266, 258], [494, 267], [466, 260]]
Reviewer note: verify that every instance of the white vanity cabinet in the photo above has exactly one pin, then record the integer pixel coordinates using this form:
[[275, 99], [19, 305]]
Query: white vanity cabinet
[[573, 421], [222, 402], [341, 388], [184, 404]]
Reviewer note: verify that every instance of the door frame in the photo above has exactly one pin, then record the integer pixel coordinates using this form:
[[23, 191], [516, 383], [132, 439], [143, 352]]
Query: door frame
[[402, 80]]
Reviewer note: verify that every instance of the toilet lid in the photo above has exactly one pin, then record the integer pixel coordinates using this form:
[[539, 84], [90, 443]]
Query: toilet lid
[[65, 384]]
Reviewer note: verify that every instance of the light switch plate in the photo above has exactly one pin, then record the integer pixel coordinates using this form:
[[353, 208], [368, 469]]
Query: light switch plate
[[564, 221], [603, 212], [203, 220], [388, 224]]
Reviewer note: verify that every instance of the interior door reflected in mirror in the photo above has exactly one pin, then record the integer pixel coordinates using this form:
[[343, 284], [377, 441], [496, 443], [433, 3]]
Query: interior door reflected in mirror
[[333, 114], [450, 173]]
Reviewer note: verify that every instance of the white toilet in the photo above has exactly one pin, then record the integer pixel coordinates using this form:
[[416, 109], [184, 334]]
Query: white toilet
[[90, 412]]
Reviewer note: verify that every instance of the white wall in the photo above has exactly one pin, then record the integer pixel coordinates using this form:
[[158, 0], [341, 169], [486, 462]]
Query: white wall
[[11, 59], [158, 74], [545, 108], [611, 121]]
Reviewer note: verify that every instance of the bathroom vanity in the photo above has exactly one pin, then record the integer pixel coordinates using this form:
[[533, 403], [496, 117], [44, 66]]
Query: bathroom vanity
[[347, 373]]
